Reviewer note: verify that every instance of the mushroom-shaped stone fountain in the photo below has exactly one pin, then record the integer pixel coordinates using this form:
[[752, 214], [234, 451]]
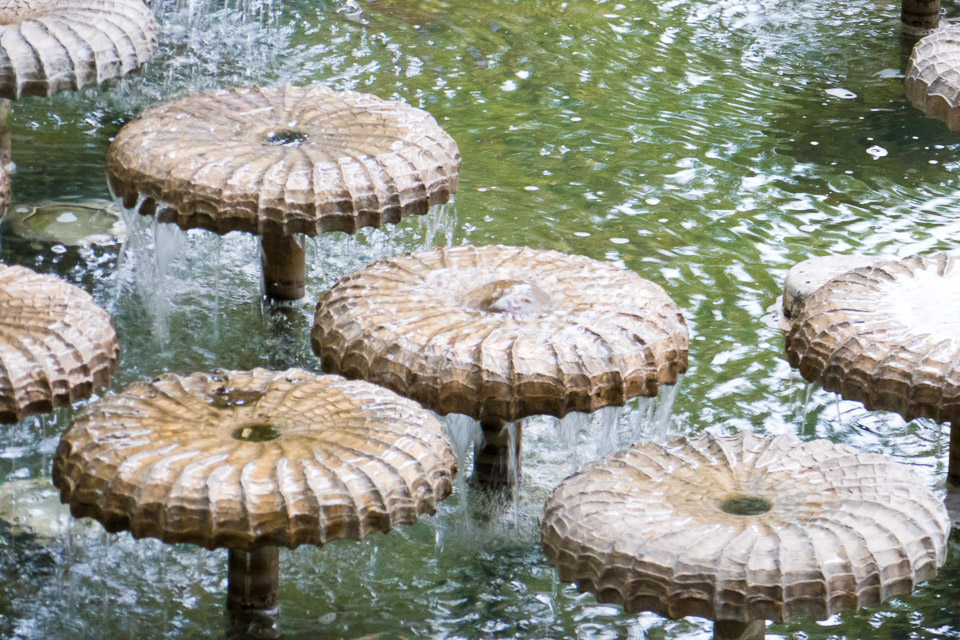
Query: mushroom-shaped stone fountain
[[282, 161], [501, 333], [742, 529], [887, 335], [48, 46], [933, 76], [252, 461], [56, 344]]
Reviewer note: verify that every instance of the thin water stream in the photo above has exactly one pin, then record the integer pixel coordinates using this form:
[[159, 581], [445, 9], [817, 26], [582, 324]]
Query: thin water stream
[[706, 144]]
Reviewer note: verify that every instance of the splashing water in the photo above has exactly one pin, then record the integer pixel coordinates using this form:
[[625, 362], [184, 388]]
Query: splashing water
[[439, 225], [148, 253]]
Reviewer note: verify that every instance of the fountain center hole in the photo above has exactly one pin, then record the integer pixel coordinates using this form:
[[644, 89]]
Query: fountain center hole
[[287, 137], [745, 506], [258, 432], [508, 296]]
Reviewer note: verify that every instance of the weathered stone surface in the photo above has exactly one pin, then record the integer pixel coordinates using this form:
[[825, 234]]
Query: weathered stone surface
[[62, 45], [650, 528], [806, 277], [247, 459], [501, 333], [933, 76], [283, 159], [56, 344]]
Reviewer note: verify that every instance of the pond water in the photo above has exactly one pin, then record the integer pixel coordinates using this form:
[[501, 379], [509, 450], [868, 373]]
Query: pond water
[[708, 145]]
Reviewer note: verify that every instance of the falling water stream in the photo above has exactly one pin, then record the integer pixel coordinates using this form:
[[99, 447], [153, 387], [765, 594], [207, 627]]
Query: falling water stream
[[707, 145]]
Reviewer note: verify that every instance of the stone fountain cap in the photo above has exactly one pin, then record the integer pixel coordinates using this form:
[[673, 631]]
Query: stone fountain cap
[[72, 222], [48, 46], [283, 159], [933, 76], [56, 344], [500, 333], [743, 528], [886, 335], [247, 459]]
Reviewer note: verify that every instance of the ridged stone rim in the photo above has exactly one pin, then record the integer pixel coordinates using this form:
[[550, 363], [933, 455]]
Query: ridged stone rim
[[283, 159], [244, 459], [501, 333], [48, 46], [743, 528], [933, 76], [56, 344], [887, 336]]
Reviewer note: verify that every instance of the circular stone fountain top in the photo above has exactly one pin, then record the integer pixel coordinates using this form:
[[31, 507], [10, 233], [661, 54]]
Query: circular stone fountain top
[[500, 333], [933, 76], [887, 335], [283, 159], [743, 528], [62, 45], [246, 459], [56, 344]]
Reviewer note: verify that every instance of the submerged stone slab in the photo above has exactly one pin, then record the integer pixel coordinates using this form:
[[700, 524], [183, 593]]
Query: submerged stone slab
[[70, 222]]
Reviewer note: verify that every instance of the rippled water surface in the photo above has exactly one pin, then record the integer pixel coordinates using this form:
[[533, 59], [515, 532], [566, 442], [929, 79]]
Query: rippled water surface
[[707, 145]]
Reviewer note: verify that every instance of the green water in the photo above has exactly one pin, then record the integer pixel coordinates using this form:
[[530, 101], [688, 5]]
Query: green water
[[706, 145]]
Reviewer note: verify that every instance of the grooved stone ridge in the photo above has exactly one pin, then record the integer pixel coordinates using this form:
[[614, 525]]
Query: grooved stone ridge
[[56, 344], [243, 459], [48, 46], [647, 528], [933, 76], [501, 333]]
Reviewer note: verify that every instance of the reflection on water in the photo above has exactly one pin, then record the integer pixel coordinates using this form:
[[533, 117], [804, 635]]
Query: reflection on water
[[707, 145]]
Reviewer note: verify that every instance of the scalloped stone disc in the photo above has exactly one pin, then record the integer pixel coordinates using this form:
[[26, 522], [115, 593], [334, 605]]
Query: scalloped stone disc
[[887, 336], [743, 528], [933, 76], [48, 46], [247, 459], [56, 344], [283, 159], [501, 333]]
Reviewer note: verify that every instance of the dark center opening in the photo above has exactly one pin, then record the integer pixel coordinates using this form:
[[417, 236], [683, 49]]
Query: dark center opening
[[287, 137], [256, 433], [745, 506], [508, 296]]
